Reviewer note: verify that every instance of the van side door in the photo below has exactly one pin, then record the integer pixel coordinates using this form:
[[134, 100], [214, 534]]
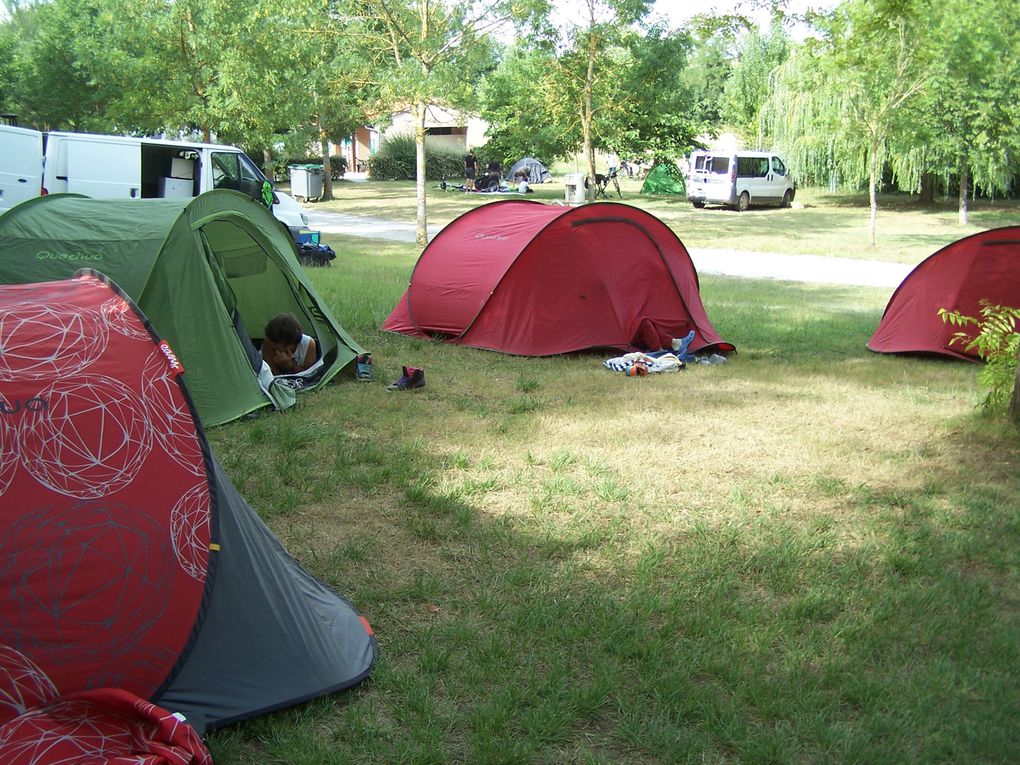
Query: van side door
[[752, 178], [21, 164], [101, 169]]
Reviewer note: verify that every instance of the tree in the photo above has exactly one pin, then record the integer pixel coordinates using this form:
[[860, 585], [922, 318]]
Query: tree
[[515, 100], [966, 125], [747, 87], [587, 69], [436, 50], [839, 100], [50, 85], [709, 67], [339, 86], [533, 101]]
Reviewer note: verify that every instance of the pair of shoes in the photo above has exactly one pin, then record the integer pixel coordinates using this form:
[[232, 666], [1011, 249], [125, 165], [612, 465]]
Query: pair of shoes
[[413, 378], [363, 367]]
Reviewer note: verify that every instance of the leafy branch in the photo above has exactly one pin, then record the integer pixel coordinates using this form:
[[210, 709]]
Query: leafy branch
[[997, 342]]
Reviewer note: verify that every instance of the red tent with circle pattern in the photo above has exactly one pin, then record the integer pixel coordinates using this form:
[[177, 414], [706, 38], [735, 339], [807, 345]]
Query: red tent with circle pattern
[[534, 279], [127, 558]]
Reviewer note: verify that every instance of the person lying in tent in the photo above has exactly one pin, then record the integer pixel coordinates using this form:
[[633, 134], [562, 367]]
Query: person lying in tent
[[285, 348]]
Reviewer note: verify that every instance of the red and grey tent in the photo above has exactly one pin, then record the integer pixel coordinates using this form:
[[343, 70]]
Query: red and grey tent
[[984, 266], [533, 279], [127, 558]]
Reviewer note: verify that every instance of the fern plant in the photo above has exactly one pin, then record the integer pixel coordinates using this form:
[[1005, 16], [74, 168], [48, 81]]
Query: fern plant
[[997, 342]]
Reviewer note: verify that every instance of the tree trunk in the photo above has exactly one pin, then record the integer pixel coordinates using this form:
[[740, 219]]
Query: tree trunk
[[422, 229], [587, 110], [327, 174], [964, 192], [267, 164], [927, 196], [873, 191]]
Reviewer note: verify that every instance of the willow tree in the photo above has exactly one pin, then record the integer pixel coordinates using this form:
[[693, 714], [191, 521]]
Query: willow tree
[[746, 88], [436, 51], [838, 101]]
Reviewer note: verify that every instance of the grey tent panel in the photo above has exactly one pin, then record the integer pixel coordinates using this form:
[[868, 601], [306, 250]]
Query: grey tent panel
[[280, 635]]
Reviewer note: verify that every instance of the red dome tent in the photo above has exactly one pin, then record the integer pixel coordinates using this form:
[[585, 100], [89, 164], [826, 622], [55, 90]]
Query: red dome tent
[[533, 279], [127, 558], [985, 266]]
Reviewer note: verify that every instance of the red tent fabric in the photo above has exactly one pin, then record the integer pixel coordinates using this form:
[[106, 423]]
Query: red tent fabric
[[94, 471], [106, 725], [984, 266], [532, 279], [127, 558]]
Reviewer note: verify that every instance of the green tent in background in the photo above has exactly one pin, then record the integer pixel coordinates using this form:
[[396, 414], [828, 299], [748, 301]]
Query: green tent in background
[[664, 178], [209, 272]]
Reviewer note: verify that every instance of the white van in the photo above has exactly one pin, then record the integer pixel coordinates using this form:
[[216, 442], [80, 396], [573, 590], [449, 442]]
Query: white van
[[739, 179], [122, 167]]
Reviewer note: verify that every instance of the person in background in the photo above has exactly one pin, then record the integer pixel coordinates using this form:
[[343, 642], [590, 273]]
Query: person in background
[[470, 165], [285, 348], [613, 162], [523, 187]]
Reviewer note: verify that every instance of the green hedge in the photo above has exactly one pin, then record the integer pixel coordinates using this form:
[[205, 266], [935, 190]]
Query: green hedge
[[395, 161]]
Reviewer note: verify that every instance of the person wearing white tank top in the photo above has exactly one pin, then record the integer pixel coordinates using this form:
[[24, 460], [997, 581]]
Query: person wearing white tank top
[[285, 348]]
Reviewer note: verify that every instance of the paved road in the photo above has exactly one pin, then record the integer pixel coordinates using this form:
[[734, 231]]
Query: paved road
[[758, 265]]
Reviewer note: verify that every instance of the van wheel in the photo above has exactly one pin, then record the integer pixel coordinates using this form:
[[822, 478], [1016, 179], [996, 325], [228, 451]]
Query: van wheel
[[787, 199], [697, 203], [743, 201]]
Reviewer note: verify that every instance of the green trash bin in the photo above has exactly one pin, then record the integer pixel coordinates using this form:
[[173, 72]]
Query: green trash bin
[[306, 182]]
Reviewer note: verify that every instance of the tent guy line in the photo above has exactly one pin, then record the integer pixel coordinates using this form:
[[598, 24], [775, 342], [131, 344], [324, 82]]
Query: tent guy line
[[813, 269]]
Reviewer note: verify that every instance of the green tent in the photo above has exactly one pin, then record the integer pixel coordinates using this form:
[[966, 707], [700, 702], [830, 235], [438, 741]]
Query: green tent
[[664, 178], [209, 272]]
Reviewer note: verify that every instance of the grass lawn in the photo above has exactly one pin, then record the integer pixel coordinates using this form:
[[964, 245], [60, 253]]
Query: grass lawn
[[806, 555]]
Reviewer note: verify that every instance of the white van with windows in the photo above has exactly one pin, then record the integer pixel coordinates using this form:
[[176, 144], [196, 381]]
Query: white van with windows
[[125, 167], [739, 179]]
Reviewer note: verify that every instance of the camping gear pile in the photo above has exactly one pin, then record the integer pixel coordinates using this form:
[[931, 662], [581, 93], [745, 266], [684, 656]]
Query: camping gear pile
[[128, 559], [315, 255]]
